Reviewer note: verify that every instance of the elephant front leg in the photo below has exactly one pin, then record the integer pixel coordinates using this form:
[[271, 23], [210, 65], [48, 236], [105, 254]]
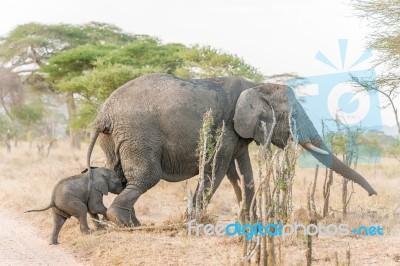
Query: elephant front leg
[[245, 170], [208, 190], [142, 173], [96, 221], [96, 207], [210, 186]]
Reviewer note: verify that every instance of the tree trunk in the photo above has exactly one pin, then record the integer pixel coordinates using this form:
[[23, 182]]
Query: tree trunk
[[396, 115], [74, 135], [8, 141]]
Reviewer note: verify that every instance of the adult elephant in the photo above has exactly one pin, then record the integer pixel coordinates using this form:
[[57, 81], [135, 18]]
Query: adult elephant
[[149, 130]]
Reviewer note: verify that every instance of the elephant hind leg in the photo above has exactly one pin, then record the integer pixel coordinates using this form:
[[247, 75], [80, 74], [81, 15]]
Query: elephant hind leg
[[142, 169], [84, 224], [58, 223], [79, 210], [121, 210], [135, 221]]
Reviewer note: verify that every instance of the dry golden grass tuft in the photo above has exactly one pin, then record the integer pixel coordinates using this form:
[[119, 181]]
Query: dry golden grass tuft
[[27, 181]]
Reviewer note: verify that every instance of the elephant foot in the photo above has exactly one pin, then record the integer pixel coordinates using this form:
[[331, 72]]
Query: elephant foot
[[53, 242], [87, 231], [119, 216], [135, 221], [100, 226]]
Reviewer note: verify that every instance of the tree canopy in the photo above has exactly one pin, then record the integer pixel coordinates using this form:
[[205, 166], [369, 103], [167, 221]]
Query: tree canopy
[[383, 16], [84, 64]]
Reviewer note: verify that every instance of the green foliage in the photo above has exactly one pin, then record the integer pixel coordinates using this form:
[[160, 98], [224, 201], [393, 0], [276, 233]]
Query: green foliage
[[200, 62], [394, 151], [5, 125], [90, 61], [86, 113], [28, 114], [206, 139], [24, 118], [95, 71], [375, 140], [384, 18], [355, 145], [96, 85], [149, 52], [43, 41], [74, 61]]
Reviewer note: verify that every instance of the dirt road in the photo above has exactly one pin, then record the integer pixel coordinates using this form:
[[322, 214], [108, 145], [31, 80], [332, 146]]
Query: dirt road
[[20, 244]]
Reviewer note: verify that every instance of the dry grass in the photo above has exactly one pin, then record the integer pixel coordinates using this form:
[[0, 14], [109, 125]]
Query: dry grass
[[27, 181]]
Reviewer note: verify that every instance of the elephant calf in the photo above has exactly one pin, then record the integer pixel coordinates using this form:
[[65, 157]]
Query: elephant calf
[[73, 196]]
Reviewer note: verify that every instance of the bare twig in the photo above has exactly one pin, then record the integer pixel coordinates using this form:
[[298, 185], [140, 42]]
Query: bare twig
[[242, 209], [206, 128]]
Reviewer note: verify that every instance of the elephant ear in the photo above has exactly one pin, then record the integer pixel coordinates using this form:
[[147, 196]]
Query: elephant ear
[[100, 184], [251, 109]]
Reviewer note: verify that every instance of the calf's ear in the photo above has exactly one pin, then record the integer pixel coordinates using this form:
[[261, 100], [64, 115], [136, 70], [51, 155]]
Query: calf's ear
[[100, 184]]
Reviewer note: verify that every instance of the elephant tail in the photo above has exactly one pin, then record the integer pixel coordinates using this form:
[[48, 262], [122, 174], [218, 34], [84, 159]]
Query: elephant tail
[[93, 137], [41, 210], [102, 124]]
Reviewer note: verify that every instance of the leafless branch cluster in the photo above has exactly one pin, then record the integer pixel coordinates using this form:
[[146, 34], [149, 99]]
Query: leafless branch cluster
[[272, 202], [210, 145], [383, 17]]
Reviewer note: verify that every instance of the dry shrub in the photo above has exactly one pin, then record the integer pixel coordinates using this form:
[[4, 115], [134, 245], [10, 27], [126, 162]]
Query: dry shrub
[[27, 181]]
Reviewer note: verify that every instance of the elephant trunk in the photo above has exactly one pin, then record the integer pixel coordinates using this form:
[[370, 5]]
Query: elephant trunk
[[341, 168], [338, 166]]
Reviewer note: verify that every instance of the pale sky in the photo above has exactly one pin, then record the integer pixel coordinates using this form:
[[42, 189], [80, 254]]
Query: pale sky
[[273, 36]]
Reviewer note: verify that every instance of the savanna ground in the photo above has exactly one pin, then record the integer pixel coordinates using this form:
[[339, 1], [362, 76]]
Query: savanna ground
[[27, 181]]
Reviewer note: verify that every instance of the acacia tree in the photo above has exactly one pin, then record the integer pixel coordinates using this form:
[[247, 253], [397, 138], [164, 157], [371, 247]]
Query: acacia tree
[[383, 16], [205, 61], [20, 112], [143, 56], [35, 43], [11, 95], [29, 47], [11, 91], [85, 63]]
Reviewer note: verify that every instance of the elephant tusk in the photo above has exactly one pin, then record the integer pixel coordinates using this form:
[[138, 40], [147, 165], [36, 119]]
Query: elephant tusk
[[310, 146]]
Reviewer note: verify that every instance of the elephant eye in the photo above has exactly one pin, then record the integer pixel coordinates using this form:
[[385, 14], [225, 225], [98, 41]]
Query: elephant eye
[[293, 122]]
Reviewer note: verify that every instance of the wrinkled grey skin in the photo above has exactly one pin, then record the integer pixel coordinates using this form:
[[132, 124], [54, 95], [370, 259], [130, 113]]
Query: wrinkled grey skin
[[149, 130], [71, 197]]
